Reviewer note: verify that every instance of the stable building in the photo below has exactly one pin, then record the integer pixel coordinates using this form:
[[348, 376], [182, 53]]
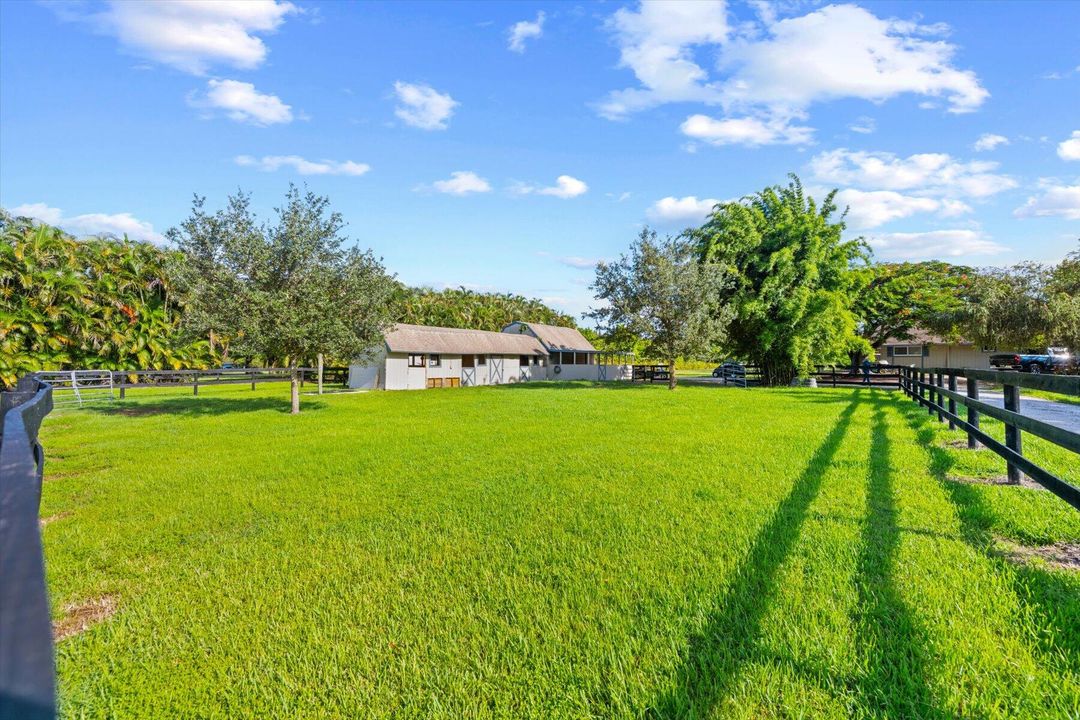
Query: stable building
[[926, 350], [570, 355]]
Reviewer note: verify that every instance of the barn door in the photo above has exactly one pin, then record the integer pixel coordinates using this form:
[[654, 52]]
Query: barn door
[[603, 371], [496, 370], [468, 370]]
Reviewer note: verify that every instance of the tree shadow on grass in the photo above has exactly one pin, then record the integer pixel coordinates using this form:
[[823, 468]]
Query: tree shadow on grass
[[195, 407], [1049, 595], [716, 654], [891, 641]]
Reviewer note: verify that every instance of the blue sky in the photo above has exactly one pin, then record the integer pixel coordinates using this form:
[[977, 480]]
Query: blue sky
[[508, 146]]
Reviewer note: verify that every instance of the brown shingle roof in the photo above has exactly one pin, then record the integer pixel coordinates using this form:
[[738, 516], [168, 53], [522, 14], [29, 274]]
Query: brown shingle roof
[[457, 341], [559, 338]]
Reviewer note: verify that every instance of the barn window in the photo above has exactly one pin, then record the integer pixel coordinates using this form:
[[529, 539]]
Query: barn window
[[523, 361], [416, 361], [434, 360], [481, 359]]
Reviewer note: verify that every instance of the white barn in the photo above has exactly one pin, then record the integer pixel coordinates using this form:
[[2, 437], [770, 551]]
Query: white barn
[[415, 357]]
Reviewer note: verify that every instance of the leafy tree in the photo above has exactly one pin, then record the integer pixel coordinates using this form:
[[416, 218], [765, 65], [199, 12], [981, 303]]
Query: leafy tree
[[1008, 308], [1065, 291], [93, 303], [791, 279], [464, 308], [287, 291], [662, 294], [893, 299]]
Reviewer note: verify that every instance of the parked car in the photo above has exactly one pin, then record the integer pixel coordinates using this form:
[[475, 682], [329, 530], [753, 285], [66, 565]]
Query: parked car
[[729, 367], [1050, 359]]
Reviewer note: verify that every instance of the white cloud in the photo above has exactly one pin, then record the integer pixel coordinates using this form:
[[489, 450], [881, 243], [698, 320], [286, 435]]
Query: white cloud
[[840, 51], [191, 36], [863, 125], [1070, 149], [580, 263], [462, 182], [925, 173], [521, 31], [271, 163], [422, 106], [119, 224], [933, 244], [874, 208], [687, 209], [240, 101], [989, 141], [565, 187], [1053, 201], [745, 131]]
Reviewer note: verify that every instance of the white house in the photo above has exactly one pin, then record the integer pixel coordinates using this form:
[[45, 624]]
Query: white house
[[927, 350], [415, 357]]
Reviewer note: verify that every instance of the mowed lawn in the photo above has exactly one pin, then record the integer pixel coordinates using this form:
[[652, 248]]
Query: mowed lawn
[[550, 551]]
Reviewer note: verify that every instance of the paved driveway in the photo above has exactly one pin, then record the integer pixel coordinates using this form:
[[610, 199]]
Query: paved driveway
[[1064, 415]]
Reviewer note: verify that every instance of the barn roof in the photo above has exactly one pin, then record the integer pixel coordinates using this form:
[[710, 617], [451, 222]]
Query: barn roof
[[456, 341], [559, 338]]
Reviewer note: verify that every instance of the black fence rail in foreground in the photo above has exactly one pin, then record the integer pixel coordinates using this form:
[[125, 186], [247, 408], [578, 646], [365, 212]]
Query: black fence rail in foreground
[[936, 389], [78, 387], [27, 681]]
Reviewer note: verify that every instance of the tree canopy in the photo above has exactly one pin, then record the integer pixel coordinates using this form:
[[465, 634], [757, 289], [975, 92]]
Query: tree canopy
[[660, 292], [791, 279], [464, 308], [285, 291]]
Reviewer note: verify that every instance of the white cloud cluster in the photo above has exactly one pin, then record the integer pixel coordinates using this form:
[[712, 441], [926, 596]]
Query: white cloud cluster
[[870, 209], [936, 174], [521, 31], [842, 51], [1053, 200], [240, 101], [933, 244], [190, 35], [1070, 149], [688, 209], [565, 187], [119, 224], [989, 141], [272, 163], [462, 182], [422, 106]]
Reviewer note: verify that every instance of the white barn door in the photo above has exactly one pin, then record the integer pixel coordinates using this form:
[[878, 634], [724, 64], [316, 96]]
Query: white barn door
[[496, 365]]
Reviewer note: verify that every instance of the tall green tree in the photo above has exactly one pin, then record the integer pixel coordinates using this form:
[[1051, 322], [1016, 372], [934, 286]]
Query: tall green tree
[[92, 303], [792, 279], [891, 300], [1064, 288], [287, 291], [662, 294], [1008, 308], [465, 308]]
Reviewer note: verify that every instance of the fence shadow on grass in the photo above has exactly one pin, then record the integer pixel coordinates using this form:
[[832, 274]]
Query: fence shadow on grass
[[716, 653], [1043, 592], [196, 407], [889, 638]]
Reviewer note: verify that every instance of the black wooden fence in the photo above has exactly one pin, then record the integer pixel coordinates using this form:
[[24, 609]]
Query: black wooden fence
[[27, 682], [936, 389]]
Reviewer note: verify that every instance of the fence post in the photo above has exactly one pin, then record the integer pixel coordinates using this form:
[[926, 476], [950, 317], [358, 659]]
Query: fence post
[[123, 385], [940, 383], [1013, 440], [195, 384], [972, 413], [834, 376], [952, 400], [252, 379]]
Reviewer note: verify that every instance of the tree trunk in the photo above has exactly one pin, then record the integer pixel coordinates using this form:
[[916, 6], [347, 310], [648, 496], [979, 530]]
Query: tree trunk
[[294, 381], [320, 372], [671, 375]]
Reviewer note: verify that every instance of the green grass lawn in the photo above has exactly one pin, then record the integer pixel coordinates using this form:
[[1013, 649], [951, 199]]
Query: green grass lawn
[[550, 551]]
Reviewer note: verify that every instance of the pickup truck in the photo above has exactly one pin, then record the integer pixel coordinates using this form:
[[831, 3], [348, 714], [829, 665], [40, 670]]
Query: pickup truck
[[1051, 359]]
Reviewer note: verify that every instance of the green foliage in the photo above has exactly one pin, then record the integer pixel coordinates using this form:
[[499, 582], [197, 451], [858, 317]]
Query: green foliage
[[760, 554], [1064, 288], [92, 303], [1011, 308], [791, 279], [464, 308], [662, 294], [285, 292], [893, 299]]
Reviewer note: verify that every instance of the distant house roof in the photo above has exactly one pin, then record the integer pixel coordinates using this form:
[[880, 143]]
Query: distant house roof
[[456, 341], [922, 337], [556, 338]]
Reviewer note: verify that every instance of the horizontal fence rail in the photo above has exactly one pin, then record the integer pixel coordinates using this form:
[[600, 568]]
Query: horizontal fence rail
[[27, 681], [886, 377], [936, 389]]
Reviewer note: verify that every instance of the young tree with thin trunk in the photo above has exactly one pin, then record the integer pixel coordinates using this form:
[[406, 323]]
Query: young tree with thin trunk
[[662, 294], [288, 291]]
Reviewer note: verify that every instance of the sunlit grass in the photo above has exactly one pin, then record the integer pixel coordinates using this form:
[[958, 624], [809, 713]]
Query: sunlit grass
[[548, 551]]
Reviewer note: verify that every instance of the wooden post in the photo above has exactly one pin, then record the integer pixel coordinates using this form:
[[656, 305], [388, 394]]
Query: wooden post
[[320, 372], [196, 383], [1013, 440], [940, 383], [834, 376], [972, 413], [952, 401], [123, 382]]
